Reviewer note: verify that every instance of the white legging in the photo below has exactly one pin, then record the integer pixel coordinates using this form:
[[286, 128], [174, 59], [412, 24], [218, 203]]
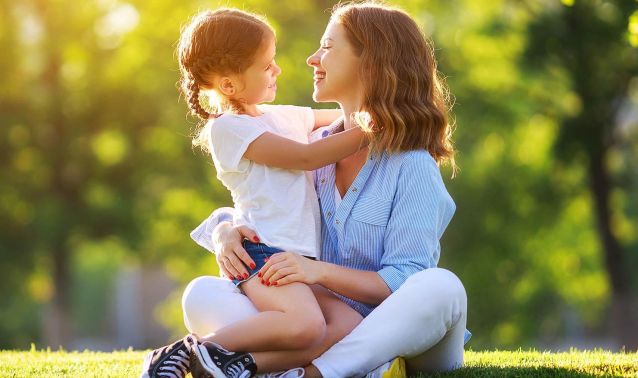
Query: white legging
[[424, 321]]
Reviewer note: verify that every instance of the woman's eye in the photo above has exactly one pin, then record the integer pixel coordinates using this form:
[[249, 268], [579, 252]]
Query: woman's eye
[[269, 66], [325, 47]]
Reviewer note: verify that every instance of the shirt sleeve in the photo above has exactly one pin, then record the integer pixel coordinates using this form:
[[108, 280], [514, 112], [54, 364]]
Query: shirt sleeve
[[297, 118], [203, 234], [412, 236], [307, 117], [230, 138]]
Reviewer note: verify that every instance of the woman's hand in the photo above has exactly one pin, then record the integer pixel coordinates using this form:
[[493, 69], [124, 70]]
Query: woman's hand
[[286, 267], [232, 256]]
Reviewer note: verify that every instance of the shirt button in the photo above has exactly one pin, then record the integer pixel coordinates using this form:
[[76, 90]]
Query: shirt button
[[354, 189], [337, 221], [329, 213], [323, 180]]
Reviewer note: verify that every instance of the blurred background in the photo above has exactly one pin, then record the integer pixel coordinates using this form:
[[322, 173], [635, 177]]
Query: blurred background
[[100, 187]]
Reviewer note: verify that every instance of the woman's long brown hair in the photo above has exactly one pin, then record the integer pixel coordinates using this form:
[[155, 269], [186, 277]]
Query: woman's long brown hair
[[405, 101]]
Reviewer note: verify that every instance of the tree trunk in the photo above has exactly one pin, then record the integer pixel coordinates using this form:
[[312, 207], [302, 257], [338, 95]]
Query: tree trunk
[[57, 322], [624, 306]]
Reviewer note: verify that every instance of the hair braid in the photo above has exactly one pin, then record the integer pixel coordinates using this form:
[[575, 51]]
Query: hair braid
[[192, 93], [215, 44]]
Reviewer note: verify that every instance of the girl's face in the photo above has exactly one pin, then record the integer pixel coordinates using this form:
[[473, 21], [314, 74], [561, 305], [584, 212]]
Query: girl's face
[[258, 83], [336, 67]]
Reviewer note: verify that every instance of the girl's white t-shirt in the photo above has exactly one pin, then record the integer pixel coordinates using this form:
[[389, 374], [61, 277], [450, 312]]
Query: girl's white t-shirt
[[279, 204]]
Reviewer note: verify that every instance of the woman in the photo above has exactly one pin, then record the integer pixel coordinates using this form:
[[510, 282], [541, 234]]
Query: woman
[[384, 209]]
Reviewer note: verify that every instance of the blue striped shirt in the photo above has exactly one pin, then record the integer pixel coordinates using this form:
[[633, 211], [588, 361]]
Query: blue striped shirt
[[390, 220]]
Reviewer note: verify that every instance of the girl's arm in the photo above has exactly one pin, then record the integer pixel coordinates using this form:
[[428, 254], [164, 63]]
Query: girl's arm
[[324, 117], [276, 151]]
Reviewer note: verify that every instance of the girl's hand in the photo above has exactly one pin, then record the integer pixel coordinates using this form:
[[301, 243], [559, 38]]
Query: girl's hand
[[286, 267], [232, 256]]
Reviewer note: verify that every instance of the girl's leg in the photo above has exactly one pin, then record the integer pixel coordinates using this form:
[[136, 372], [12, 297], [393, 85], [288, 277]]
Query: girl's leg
[[430, 305], [211, 303], [340, 320], [289, 318]]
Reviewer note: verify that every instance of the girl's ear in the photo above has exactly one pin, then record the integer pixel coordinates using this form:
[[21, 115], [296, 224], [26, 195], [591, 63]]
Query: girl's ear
[[226, 86]]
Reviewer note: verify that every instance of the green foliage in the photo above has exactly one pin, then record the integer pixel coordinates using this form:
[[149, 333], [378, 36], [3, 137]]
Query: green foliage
[[587, 40], [98, 171]]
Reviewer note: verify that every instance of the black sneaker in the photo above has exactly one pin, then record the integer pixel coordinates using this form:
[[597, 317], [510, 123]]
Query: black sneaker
[[170, 361], [211, 360]]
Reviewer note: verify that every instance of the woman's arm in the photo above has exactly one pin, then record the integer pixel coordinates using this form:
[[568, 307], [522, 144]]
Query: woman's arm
[[421, 211], [203, 234], [218, 235], [276, 151], [360, 285], [324, 117]]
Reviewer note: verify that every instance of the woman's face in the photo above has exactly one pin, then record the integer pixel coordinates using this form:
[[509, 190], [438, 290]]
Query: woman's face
[[336, 68]]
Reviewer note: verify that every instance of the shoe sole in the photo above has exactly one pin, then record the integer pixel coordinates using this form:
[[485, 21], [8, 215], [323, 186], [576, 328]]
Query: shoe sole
[[145, 365], [207, 363]]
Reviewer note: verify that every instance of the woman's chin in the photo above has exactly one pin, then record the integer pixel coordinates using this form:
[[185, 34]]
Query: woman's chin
[[319, 96]]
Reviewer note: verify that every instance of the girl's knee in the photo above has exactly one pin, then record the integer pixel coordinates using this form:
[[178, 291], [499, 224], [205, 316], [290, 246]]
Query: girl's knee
[[306, 331]]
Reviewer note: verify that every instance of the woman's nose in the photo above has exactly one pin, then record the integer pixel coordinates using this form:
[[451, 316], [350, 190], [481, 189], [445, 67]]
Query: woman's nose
[[313, 60]]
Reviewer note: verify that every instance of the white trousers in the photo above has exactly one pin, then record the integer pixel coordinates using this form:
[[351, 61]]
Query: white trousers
[[423, 321]]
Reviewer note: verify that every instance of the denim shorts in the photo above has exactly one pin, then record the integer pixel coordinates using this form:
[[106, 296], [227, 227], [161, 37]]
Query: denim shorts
[[259, 253]]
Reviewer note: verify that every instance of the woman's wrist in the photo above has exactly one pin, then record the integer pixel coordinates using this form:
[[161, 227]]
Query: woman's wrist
[[219, 232], [322, 268]]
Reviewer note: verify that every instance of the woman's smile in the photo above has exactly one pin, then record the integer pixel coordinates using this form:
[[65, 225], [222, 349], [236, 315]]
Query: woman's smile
[[319, 76]]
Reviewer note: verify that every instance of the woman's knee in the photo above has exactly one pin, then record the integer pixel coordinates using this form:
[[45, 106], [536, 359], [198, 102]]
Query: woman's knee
[[442, 290], [202, 288], [437, 280], [209, 303]]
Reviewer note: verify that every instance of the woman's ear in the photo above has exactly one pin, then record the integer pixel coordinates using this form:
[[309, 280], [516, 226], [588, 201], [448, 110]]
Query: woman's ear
[[226, 86]]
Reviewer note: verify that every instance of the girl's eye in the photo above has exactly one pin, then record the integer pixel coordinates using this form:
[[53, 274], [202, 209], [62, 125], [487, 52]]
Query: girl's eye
[[325, 47], [269, 66]]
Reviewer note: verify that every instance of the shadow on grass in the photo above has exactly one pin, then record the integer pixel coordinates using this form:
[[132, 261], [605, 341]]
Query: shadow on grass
[[523, 372]]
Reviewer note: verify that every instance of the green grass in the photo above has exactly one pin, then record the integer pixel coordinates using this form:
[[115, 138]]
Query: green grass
[[544, 364], [478, 364]]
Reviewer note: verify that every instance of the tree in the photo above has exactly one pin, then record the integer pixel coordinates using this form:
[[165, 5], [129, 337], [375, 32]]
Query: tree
[[587, 39]]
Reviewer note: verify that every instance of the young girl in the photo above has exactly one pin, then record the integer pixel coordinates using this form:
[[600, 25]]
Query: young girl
[[261, 154]]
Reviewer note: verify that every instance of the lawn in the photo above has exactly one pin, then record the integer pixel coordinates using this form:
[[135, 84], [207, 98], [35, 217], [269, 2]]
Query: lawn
[[478, 364]]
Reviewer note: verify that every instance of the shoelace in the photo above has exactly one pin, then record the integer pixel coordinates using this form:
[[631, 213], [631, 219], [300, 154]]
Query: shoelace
[[178, 366], [238, 371]]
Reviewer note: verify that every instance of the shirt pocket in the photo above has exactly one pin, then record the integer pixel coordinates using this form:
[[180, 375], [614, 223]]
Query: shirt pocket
[[372, 210]]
